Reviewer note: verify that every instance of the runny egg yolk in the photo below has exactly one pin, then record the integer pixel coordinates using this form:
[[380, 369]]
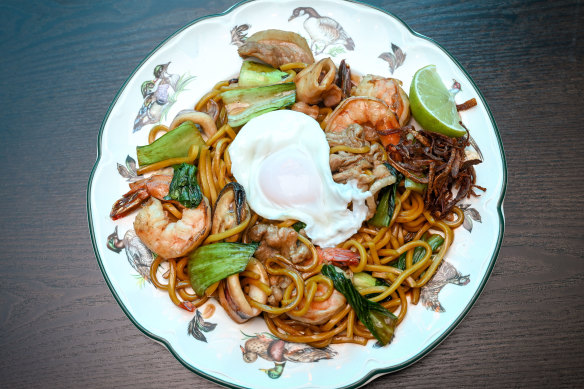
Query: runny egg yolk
[[288, 178], [281, 158]]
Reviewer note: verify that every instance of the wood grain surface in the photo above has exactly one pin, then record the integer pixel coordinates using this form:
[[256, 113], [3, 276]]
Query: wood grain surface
[[62, 63]]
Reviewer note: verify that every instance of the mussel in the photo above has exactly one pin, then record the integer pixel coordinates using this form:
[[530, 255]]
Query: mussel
[[230, 210]]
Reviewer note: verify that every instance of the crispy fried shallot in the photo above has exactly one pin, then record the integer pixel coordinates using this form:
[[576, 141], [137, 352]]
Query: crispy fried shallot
[[468, 104], [441, 162]]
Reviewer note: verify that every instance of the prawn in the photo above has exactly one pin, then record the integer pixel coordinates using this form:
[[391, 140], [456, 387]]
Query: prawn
[[153, 225], [172, 239], [156, 185], [377, 119], [320, 312], [388, 90], [338, 256]]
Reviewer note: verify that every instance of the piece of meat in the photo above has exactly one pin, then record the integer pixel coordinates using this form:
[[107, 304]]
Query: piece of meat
[[366, 169], [278, 284], [277, 47], [350, 136], [310, 110], [356, 171], [278, 240]]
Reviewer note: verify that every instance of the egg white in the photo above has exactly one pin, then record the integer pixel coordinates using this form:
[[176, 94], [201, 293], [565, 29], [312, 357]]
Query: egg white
[[281, 158]]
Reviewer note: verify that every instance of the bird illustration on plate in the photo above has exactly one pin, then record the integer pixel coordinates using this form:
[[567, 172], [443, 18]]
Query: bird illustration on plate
[[324, 32], [446, 274], [159, 95], [271, 348], [139, 256]]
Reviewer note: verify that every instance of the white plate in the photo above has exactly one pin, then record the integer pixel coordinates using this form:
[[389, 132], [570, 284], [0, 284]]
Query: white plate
[[205, 52]]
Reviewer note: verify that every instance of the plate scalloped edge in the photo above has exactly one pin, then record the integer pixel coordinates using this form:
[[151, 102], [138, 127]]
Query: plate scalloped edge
[[372, 374]]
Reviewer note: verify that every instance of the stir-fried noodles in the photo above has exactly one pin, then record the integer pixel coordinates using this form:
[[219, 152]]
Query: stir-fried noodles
[[388, 262]]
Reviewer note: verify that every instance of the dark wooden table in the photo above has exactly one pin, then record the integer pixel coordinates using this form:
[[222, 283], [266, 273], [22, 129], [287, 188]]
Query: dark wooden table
[[62, 62]]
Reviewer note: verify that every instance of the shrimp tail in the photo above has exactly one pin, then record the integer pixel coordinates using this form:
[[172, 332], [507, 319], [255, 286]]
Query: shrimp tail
[[128, 203]]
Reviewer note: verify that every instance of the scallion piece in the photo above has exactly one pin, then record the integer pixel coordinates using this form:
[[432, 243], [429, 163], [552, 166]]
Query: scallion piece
[[365, 280], [434, 240], [415, 186]]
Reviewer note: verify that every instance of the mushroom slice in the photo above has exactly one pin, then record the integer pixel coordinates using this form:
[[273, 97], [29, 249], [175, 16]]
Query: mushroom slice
[[277, 47], [231, 209], [232, 297]]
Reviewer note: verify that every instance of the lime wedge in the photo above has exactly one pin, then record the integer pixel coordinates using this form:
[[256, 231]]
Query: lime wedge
[[433, 105]]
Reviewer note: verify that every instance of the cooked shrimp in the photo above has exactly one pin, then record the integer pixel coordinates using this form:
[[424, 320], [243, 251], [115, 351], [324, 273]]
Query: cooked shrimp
[[321, 311], [373, 114], [390, 91], [172, 239], [156, 185], [338, 256]]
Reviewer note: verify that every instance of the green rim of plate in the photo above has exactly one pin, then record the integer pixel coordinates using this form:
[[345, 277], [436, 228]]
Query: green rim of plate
[[372, 374]]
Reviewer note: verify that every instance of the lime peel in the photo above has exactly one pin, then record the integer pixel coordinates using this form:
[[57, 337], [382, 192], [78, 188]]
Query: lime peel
[[432, 105]]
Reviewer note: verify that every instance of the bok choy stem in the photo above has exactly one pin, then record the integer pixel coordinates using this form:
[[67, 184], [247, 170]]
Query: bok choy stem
[[242, 105]]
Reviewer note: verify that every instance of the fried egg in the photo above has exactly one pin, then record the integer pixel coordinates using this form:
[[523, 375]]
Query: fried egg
[[281, 158]]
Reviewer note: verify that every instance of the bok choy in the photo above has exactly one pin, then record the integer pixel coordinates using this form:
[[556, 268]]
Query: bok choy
[[184, 187], [242, 105], [257, 74], [173, 144], [378, 320], [386, 205], [216, 261]]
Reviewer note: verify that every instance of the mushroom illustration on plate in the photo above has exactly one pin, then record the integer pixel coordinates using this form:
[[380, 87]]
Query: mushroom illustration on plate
[[271, 348], [323, 31], [446, 274]]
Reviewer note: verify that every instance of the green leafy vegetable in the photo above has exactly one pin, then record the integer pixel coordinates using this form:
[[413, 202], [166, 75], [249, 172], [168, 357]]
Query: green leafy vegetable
[[242, 105], [378, 320], [434, 240], [415, 186], [184, 186], [298, 226], [364, 280], [216, 261], [386, 205], [256, 74], [173, 144]]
